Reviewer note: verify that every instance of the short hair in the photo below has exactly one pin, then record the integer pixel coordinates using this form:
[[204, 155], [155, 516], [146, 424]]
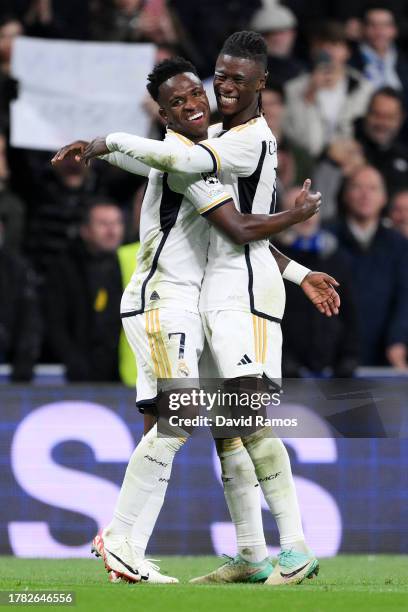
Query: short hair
[[94, 202], [164, 71], [328, 31], [376, 6], [247, 45], [390, 92]]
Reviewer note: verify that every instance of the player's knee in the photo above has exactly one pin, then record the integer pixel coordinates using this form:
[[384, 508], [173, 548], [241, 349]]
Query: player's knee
[[265, 443]]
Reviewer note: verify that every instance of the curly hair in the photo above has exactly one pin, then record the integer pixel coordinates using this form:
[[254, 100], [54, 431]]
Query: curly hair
[[165, 70]]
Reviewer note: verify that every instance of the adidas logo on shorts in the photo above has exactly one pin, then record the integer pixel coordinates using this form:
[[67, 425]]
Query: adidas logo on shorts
[[244, 360], [155, 296]]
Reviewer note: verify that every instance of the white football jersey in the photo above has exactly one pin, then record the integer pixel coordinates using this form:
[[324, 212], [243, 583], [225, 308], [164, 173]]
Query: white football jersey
[[244, 277], [174, 239]]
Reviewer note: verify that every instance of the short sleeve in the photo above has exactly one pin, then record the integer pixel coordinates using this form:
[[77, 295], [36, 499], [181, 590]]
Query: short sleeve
[[237, 151], [207, 194]]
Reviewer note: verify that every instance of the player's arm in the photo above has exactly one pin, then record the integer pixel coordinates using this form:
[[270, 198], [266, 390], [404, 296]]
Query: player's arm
[[317, 286], [235, 151], [162, 155], [76, 150], [244, 228]]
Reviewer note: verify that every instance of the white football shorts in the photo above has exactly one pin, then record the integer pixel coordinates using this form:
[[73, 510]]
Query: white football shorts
[[167, 344], [243, 344]]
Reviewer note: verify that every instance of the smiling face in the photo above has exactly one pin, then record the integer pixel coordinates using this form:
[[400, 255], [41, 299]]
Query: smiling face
[[237, 84], [384, 119], [184, 106]]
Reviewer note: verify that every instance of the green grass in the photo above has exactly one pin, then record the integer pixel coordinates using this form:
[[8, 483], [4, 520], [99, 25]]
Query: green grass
[[346, 583]]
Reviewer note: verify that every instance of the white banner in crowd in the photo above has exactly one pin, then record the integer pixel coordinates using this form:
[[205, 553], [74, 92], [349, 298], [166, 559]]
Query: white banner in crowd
[[70, 90]]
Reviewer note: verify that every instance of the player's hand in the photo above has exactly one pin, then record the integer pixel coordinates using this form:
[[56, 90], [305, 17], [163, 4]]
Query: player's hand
[[95, 148], [73, 150], [307, 203], [319, 288]]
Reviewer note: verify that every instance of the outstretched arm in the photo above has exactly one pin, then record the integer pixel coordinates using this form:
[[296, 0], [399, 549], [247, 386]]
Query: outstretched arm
[[162, 155], [76, 150]]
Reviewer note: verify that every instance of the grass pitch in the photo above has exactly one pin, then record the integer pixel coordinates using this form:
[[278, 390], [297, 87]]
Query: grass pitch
[[346, 583]]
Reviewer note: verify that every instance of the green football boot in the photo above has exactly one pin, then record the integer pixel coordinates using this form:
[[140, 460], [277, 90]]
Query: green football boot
[[236, 569], [292, 568]]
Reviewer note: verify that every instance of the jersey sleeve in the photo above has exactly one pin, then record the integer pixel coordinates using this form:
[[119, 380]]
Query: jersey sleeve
[[207, 194], [237, 151], [120, 160]]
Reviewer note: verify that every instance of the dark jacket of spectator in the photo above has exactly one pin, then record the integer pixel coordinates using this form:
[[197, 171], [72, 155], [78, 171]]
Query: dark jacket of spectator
[[310, 340], [12, 212], [82, 308], [20, 323], [380, 281], [390, 160], [55, 211]]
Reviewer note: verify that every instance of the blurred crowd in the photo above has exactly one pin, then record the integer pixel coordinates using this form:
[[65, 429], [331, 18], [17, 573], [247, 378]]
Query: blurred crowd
[[336, 100]]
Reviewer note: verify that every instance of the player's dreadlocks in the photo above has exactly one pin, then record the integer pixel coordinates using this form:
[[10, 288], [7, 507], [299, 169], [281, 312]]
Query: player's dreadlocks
[[248, 45], [165, 70]]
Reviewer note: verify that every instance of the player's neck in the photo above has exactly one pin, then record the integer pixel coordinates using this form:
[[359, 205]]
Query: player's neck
[[231, 121], [195, 139]]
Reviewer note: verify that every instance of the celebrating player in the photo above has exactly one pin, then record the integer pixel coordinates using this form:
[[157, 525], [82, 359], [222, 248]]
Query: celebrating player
[[221, 204]]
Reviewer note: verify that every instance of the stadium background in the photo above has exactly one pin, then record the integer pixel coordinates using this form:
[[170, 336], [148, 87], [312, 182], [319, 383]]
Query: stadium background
[[64, 451], [353, 492]]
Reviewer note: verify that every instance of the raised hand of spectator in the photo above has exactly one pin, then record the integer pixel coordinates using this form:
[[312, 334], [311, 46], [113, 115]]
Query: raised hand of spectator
[[74, 150], [39, 11], [319, 79], [319, 289]]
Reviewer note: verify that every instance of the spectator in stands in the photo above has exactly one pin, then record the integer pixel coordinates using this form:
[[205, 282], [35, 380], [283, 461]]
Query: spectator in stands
[[377, 57], [10, 28], [11, 207], [399, 212], [56, 18], [132, 21], [323, 104], [83, 296], [56, 207], [20, 324], [379, 131], [278, 26], [202, 27], [325, 344], [341, 159], [380, 272], [294, 162]]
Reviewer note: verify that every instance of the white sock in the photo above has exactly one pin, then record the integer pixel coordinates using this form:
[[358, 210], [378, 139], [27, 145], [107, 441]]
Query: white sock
[[272, 467], [241, 490], [143, 527], [151, 458]]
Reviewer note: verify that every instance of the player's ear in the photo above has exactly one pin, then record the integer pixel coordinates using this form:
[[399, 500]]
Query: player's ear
[[163, 115], [262, 81]]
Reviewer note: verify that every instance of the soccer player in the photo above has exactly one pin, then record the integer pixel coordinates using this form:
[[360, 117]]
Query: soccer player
[[241, 287], [171, 266]]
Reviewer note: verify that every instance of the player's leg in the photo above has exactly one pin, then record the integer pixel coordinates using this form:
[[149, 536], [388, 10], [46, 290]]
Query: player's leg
[[149, 468], [254, 352], [242, 495]]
